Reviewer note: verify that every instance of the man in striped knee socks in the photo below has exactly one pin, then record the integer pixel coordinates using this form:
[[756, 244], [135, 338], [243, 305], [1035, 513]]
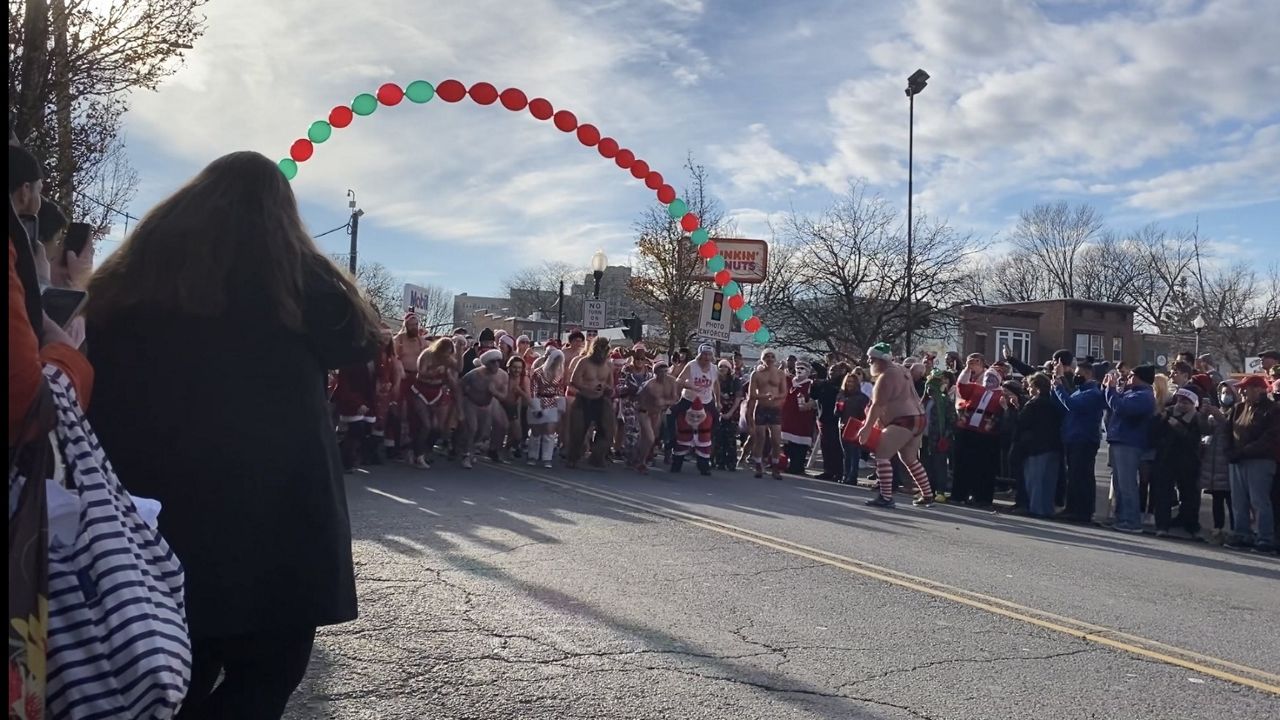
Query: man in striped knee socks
[[896, 410]]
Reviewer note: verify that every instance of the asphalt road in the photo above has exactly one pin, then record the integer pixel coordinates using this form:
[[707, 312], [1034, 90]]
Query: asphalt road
[[519, 593]]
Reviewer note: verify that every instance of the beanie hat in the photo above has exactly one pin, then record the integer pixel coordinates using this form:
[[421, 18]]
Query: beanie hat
[[507, 340], [1145, 373], [880, 351], [486, 335]]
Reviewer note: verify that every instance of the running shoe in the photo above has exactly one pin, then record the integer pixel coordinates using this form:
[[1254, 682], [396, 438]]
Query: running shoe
[[881, 501]]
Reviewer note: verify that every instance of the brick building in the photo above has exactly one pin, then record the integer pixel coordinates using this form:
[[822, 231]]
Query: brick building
[[1034, 330]]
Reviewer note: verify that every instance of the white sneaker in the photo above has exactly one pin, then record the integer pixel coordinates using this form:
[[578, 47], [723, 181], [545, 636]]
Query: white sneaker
[[466, 463], [420, 462], [547, 464], [532, 461]]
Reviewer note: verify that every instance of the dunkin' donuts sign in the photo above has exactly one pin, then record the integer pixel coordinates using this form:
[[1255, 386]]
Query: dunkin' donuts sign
[[746, 260]]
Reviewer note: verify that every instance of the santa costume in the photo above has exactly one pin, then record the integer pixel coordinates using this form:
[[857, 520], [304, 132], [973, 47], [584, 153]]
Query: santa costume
[[693, 435], [799, 418]]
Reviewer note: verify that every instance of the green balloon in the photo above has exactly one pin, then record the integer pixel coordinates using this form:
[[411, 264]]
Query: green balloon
[[289, 168], [745, 312], [716, 264], [319, 131], [700, 236], [364, 104], [677, 209], [763, 335], [733, 288], [420, 91]]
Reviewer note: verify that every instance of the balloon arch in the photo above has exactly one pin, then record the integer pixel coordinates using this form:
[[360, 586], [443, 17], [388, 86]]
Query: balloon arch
[[515, 100]]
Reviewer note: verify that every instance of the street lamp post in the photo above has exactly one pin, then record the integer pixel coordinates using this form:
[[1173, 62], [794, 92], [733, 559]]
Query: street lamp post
[[1198, 324], [599, 262], [916, 83]]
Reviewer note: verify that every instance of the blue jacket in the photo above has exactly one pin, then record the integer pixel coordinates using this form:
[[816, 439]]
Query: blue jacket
[[1131, 414], [1085, 406]]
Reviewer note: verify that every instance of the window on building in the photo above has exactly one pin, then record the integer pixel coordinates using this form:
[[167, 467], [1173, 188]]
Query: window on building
[[1088, 345], [980, 342], [544, 335], [1117, 349], [1018, 342]]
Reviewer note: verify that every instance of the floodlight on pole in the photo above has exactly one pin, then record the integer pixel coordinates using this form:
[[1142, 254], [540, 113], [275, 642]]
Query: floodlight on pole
[[915, 83]]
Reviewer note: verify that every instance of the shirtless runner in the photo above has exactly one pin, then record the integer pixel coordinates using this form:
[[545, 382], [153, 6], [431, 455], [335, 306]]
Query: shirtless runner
[[479, 389], [764, 398], [592, 382], [655, 399]]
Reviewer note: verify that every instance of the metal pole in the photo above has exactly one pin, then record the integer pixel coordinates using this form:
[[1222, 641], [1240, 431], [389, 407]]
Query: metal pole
[[560, 319], [911, 132], [1197, 343], [355, 233]]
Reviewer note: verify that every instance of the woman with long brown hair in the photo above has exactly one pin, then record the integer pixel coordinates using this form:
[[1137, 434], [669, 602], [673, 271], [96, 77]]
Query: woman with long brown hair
[[211, 329]]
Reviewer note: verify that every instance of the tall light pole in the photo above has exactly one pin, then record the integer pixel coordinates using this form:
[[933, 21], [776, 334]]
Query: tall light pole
[[355, 230], [917, 82], [1198, 324]]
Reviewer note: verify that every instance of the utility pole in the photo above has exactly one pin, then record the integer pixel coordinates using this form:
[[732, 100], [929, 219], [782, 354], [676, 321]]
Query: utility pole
[[355, 230], [64, 191], [560, 318]]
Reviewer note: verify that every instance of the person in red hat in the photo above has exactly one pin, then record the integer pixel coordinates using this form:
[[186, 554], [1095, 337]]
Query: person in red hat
[[1253, 449]]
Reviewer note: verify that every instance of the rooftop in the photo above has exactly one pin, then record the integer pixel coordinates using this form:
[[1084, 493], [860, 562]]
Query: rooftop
[[1073, 301]]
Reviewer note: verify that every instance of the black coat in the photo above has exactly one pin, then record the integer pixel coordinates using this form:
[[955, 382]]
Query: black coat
[[1038, 428], [226, 422]]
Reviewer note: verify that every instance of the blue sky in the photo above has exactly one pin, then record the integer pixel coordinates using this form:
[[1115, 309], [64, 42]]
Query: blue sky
[[1152, 110]]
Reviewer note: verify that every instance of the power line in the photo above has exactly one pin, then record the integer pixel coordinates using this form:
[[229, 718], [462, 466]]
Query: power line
[[343, 226]]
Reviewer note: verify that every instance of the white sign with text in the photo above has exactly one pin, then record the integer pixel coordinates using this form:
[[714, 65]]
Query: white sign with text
[[593, 314], [714, 321]]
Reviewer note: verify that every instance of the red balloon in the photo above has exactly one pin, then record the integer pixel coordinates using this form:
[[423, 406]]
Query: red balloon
[[653, 180], [484, 93], [708, 250], [566, 121], [302, 150], [341, 116], [625, 159], [736, 302], [451, 91], [608, 147], [666, 194], [722, 278], [639, 169], [752, 324], [541, 108], [390, 94], [588, 135], [689, 222], [514, 99]]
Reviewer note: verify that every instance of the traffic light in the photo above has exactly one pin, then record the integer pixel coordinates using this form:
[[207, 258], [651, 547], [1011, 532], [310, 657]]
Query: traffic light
[[633, 329], [717, 306]]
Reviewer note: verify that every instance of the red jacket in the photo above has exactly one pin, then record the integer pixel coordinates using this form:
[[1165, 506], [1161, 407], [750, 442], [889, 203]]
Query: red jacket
[[980, 408]]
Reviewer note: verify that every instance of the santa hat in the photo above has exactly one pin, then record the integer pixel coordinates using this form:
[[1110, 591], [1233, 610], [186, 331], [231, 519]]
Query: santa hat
[[489, 356], [1188, 394], [725, 365], [991, 379], [554, 343], [880, 351], [697, 404], [638, 347]]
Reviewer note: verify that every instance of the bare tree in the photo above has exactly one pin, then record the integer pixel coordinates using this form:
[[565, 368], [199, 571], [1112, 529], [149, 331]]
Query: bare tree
[[666, 263], [72, 64], [537, 288], [1053, 236], [840, 276], [1160, 288], [386, 292]]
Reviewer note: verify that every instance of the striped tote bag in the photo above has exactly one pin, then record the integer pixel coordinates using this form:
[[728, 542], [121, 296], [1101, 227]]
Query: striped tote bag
[[118, 645]]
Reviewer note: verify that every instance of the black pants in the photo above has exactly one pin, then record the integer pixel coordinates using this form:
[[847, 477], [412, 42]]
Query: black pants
[[260, 672], [352, 443], [977, 460], [832, 449], [1082, 482], [726, 451], [1221, 508], [796, 456], [1184, 479]]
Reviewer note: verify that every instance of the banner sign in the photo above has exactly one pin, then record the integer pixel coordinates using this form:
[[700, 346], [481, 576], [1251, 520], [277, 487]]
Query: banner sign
[[415, 298]]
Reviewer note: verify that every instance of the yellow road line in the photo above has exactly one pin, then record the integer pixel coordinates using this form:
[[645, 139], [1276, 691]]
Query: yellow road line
[[1089, 632]]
